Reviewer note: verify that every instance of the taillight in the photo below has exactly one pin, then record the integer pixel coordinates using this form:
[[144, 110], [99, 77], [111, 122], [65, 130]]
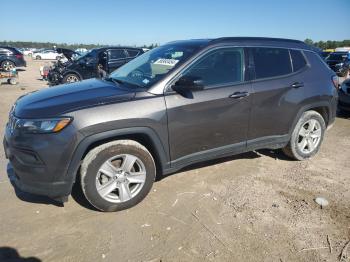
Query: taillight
[[19, 56], [335, 81]]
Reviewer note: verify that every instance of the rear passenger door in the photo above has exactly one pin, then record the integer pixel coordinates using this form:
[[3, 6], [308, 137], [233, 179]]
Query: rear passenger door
[[116, 58], [278, 89]]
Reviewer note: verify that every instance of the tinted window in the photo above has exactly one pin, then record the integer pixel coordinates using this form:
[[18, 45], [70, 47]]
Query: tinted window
[[219, 67], [337, 56], [116, 54], [133, 53], [298, 60], [270, 62]]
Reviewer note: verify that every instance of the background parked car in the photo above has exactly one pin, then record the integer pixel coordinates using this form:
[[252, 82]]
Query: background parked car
[[47, 54], [10, 58], [96, 63], [344, 96], [339, 62]]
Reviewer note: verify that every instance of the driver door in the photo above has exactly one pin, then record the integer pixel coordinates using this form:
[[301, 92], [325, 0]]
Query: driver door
[[213, 121]]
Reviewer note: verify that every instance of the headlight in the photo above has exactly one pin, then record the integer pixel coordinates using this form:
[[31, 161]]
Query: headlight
[[339, 64], [42, 125]]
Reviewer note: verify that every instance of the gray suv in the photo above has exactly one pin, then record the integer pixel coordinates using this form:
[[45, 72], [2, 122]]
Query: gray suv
[[178, 104]]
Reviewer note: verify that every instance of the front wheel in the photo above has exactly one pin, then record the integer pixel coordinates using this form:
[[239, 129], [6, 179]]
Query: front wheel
[[8, 65], [307, 136], [71, 78], [117, 175]]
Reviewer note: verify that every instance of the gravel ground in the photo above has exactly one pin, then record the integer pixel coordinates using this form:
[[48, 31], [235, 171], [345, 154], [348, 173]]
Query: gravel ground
[[257, 206]]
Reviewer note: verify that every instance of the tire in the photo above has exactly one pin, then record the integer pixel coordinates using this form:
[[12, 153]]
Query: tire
[[98, 178], [70, 78], [304, 142], [12, 81], [7, 65], [38, 57]]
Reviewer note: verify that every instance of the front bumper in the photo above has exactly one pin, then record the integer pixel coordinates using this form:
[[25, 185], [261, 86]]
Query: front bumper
[[40, 163], [344, 101]]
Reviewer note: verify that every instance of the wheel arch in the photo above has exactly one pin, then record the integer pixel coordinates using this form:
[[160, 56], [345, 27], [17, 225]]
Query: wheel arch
[[143, 135], [323, 108], [72, 72], [8, 59]]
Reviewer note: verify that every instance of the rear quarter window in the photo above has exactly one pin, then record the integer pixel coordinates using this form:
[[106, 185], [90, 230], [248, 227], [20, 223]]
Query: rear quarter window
[[271, 62], [298, 60]]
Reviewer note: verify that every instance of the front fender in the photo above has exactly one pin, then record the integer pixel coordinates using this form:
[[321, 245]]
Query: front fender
[[85, 143]]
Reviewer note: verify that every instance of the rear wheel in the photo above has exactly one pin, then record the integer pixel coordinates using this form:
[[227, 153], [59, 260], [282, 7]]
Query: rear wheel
[[7, 65], [38, 57], [307, 136], [71, 78], [117, 175]]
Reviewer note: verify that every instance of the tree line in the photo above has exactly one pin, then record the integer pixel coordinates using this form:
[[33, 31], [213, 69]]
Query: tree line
[[28, 44], [328, 44]]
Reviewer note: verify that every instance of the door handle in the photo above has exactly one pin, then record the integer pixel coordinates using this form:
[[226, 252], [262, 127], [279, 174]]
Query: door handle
[[239, 94], [297, 84]]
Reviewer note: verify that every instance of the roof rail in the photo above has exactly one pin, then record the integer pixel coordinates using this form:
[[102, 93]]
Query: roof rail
[[240, 38]]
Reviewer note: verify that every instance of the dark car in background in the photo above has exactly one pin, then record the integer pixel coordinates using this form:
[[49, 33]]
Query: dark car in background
[[173, 106], [97, 63], [339, 62], [344, 96], [10, 58]]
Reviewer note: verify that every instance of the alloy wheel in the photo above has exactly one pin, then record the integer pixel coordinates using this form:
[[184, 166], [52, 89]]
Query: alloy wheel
[[8, 66], [72, 79], [309, 136], [120, 178]]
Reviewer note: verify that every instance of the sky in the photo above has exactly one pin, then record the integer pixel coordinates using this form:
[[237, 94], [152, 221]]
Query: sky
[[139, 22]]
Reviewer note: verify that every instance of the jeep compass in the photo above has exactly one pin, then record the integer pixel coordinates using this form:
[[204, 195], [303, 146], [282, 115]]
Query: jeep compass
[[178, 104]]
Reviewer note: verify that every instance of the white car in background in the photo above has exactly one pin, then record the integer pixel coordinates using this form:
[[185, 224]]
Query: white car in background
[[47, 54]]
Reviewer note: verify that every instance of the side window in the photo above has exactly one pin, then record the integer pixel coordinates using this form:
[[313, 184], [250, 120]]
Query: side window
[[132, 53], [117, 54], [270, 62], [298, 60], [219, 67]]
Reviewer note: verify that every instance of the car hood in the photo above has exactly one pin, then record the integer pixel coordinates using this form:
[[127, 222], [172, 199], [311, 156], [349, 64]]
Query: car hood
[[58, 100], [67, 53]]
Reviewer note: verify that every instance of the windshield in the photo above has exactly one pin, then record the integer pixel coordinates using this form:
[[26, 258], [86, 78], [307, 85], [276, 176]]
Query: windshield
[[89, 54], [337, 57], [153, 65]]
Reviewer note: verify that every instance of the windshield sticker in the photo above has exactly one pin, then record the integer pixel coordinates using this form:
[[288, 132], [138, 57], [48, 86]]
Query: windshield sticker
[[167, 62]]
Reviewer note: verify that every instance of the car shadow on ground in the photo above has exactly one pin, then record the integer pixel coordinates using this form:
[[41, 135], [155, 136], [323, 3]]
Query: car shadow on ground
[[9, 254], [78, 195]]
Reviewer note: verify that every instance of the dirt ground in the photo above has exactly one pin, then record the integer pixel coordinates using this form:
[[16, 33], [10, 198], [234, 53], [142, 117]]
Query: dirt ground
[[257, 206]]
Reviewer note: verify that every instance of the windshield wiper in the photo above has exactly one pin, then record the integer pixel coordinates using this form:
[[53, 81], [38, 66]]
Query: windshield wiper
[[114, 80], [121, 82]]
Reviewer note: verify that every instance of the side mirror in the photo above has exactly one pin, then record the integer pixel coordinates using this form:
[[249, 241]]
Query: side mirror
[[188, 83]]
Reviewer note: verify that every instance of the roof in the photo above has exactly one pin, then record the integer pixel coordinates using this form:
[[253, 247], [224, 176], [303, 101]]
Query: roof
[[250, 41]]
